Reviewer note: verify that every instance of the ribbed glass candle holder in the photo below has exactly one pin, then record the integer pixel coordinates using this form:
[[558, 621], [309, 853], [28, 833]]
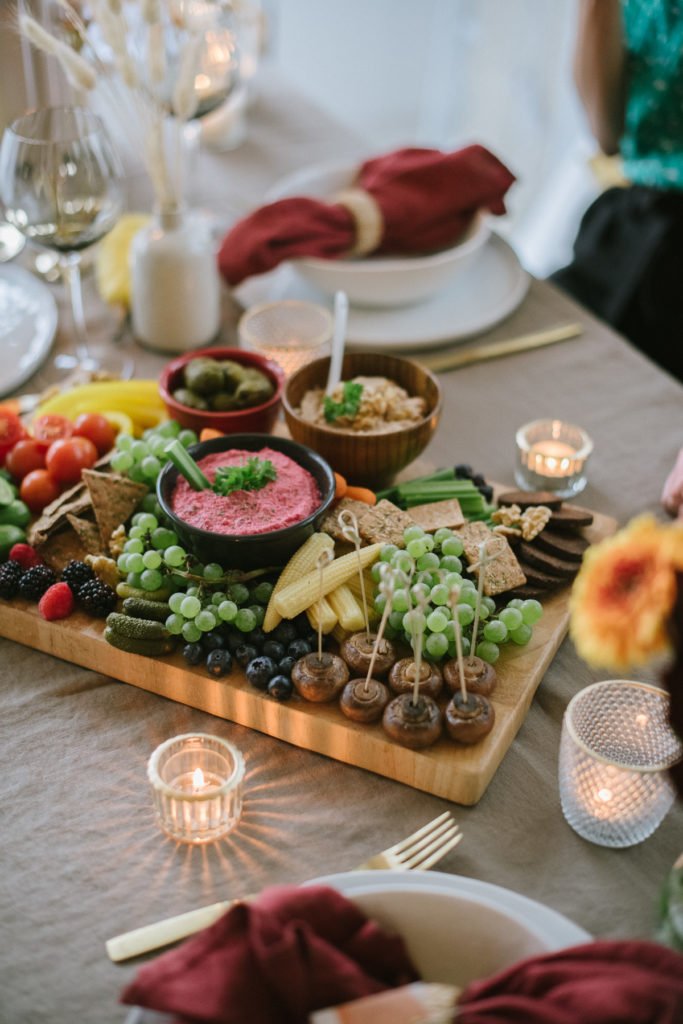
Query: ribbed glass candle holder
[[552, 456], [196, 782], [615, 749]]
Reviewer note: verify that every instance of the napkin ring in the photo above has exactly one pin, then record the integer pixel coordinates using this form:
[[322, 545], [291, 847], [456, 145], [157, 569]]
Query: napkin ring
[[367, 217]]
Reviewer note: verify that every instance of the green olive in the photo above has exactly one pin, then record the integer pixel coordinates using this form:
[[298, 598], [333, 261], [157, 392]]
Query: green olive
[[189, 398], [204, 376]]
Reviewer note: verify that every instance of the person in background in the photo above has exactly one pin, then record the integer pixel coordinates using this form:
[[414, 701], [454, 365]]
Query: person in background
[[628, 254]]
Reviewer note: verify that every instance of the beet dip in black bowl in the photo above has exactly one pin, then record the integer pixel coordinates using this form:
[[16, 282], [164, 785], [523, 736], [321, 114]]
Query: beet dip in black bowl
[[270, 521]]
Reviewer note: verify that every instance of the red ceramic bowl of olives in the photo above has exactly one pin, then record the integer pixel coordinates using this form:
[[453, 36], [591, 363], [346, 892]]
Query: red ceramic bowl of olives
[[226, 389]]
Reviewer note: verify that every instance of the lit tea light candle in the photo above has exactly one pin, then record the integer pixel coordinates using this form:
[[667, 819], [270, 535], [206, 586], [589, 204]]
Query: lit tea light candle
[[196, 782], [616, 746], [551, 456]]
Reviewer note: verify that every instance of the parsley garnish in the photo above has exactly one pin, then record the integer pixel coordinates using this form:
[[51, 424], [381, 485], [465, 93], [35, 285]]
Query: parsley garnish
[[349, 405], [251, 476]]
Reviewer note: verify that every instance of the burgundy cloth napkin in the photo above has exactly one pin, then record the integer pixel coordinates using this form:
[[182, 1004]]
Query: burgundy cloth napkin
[[427, 199], [600, 983], [273, 961]]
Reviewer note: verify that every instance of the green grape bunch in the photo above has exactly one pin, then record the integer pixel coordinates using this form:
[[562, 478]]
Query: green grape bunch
[[431, 566]]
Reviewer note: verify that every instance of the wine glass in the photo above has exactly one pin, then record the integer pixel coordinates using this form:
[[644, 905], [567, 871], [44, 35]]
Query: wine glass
[[60, 184]]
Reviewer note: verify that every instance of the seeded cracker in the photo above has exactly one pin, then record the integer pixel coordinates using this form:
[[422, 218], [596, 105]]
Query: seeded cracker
[[384, 523], [504, 572], [438, 514], [330, 523]]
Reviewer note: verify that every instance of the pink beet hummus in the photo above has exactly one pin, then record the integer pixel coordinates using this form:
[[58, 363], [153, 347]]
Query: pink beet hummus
[[293, 496]]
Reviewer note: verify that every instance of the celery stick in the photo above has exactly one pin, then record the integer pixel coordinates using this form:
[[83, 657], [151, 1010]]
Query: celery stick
[[186, 465]]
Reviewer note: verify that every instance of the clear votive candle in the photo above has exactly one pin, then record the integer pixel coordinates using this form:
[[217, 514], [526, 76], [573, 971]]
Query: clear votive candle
[[615, 749], [196, 782], [290, 332], [552, 456]]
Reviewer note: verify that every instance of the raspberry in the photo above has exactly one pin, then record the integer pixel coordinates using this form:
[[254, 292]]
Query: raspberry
[[57, 602], [26, 556]]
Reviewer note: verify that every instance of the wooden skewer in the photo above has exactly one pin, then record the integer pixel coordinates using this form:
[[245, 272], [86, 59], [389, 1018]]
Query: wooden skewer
[[455, 360], [387, 587], [454, 597], [324, 559], [349, 524]]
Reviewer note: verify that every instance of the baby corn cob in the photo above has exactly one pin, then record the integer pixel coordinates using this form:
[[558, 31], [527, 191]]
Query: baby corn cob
[[296, 597], [347, 609], [322, 610], [300, 564]]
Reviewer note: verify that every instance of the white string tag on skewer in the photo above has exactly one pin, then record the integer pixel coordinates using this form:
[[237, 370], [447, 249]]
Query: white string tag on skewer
[[453, 598], [417, 637], [324, 558], [485, 559], [349, 528]]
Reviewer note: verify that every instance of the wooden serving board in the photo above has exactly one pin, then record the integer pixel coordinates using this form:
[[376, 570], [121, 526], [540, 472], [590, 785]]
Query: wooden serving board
[[460, 774]]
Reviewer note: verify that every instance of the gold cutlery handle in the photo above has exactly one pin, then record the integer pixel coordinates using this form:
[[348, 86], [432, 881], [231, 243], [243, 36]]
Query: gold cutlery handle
[[454, 360], [163, 933]]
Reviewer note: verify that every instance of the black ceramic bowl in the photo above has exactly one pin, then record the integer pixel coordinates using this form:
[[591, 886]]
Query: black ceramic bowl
[[253, 551]]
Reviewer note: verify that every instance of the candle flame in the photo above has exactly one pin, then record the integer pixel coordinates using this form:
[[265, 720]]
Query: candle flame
[[198, 778], [605, 795]]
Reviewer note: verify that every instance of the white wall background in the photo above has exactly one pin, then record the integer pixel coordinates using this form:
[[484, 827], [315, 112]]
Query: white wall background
[[444, 72]]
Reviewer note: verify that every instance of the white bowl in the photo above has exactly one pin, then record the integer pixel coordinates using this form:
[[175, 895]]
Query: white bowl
[[377, 280]]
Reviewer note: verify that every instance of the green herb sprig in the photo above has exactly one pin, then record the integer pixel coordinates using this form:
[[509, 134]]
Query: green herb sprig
[[251, 476], [349, 405]]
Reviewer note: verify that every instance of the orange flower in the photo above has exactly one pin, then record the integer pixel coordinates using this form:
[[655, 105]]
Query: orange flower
[[624, 594]]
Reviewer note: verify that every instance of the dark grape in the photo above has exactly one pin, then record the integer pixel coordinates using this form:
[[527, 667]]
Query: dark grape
[[219, 663], [256, 637], [193, 654], [214, 641], [299, 648], [244, 654], [274, 650], [260, 671], [285, 632], [280, 687], [286, 665], [463, 471]]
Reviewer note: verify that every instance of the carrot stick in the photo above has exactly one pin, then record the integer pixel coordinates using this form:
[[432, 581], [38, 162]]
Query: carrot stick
[[208, 433], [363, 494], [340, 487]]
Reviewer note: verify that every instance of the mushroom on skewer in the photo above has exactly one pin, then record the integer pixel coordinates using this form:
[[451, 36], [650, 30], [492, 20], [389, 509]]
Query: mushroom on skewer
[[469, 716], [413, 719], [403, 673], [480, 677], [320, 676], [364, 700], [357, 651]]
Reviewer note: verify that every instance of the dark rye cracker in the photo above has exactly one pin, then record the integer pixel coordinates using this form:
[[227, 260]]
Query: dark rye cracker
[[544, 580], [114, 499], [384, 523], [571, 517], [565, 545], [546, 562], [525, 499], [504, 572]]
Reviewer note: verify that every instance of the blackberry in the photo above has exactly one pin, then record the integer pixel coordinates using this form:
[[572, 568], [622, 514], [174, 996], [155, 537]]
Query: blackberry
[[76, 574], [97, 598], [34, 582], [10, 574]]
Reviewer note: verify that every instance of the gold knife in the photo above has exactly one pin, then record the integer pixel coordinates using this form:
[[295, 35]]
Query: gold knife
[[455, 359]]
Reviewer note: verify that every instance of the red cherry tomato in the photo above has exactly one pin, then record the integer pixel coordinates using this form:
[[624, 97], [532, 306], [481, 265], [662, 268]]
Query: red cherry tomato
[[51, 427], [11, 431], [97, 429], [66, 458], [26, 456], [38, 489]]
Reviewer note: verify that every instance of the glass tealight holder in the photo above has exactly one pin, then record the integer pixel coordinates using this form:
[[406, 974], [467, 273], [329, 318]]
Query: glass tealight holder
[[615, 750], [196, 782], [290, 332], [552, 456]]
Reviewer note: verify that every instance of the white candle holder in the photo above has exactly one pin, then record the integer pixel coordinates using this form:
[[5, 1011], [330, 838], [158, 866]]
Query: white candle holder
[[552, 456], [196, 782], [615, 749], [290, 332]]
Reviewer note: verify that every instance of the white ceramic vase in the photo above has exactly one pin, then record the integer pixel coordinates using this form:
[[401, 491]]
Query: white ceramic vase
[[175, 297]]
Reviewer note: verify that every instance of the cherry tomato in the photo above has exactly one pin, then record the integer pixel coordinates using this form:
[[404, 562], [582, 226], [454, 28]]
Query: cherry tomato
[[38, 489], [97, 429], [11, 431], [66, 458], [51, 427], [26, 456]]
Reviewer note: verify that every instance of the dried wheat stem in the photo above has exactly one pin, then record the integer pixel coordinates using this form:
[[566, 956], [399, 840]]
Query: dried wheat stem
[[78, 71]]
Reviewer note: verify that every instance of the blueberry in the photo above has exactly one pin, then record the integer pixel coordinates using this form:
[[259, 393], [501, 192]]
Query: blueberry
[[193, 654], [478, 480], [256, 637], [213, 641], [284, 632], [244, 654], [272, 649], [299, 648], [260, 671], [286, 665], [234, 639], [280, 687], [219, 663], [463, 471]]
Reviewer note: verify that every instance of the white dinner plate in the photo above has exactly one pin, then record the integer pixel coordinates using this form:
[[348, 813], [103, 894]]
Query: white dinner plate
[[28, 322], [480, 296]]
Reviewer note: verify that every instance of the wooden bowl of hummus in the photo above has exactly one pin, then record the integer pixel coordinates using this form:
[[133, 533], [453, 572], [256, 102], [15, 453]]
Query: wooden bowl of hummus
[[249, 528], [381, 417]]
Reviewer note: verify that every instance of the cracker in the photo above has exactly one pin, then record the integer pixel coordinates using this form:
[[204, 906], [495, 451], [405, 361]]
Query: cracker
[[87, 532], [504, 572], [384, 523], [330, 523], [60, 548], [114, 499], [438, 514]]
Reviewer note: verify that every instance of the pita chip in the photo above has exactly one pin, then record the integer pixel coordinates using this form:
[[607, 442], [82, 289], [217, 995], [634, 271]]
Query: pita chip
[[114, 499], [88, 533]]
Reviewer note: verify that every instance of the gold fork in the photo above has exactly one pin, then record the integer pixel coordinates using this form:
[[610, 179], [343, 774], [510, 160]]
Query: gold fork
[[417, 852]]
